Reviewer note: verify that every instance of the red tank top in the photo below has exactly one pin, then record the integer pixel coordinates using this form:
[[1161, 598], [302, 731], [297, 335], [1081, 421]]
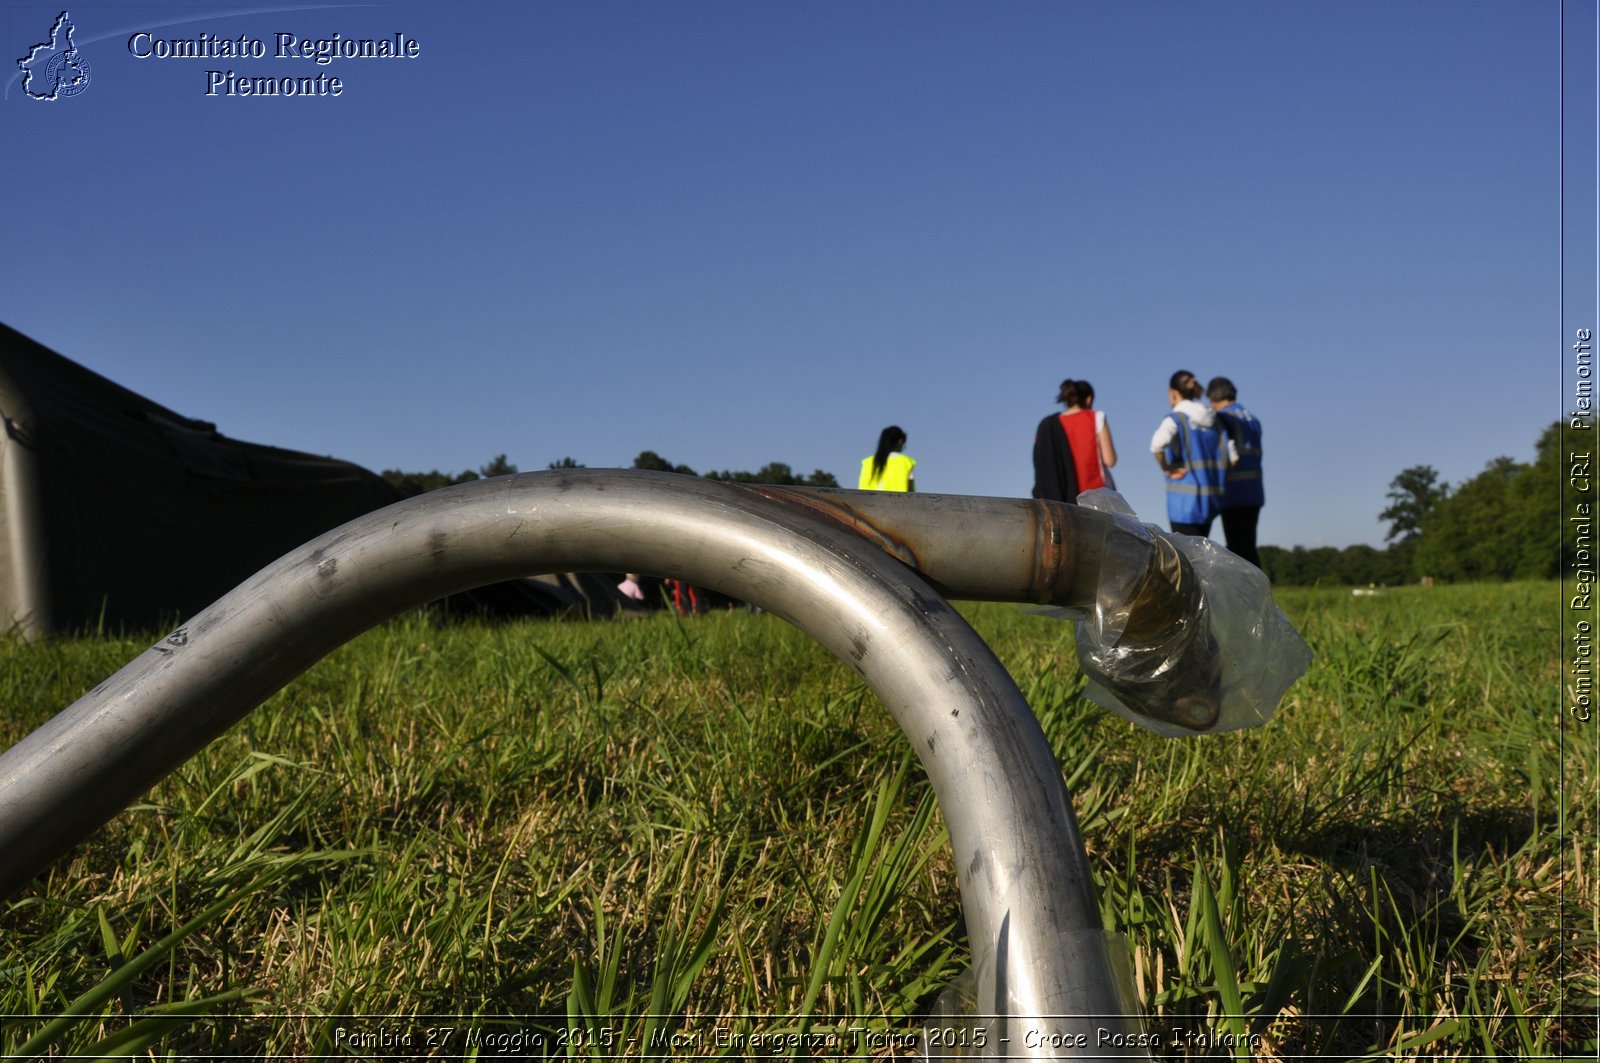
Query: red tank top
[[1082, 437]]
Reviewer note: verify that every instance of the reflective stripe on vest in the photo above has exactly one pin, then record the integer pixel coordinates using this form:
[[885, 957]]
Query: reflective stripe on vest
[[1197, 497], [1242, 486]]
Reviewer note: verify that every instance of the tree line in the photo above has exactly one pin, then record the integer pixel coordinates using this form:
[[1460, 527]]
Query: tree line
[[774, 472], [410, 484], [1502, 524]]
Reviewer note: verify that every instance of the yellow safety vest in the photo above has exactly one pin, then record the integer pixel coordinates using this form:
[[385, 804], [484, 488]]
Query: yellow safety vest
[[896, 474]]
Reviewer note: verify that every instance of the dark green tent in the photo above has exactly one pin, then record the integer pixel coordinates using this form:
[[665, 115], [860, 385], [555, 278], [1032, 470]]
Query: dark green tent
[[117, 511]]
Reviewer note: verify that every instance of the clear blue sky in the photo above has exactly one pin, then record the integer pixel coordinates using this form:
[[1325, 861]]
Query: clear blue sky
[[742, 232]]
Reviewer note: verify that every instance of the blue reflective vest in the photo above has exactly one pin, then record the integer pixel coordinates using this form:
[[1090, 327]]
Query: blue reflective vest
[[1197, 498], [1243, 488]]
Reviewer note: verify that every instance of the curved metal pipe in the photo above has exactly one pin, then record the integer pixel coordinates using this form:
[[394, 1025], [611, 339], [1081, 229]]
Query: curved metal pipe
[[1047, 553], [1026, 889]]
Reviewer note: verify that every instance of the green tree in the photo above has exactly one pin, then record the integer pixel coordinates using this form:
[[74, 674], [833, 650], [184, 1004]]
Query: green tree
[[1278, 564], [1357, 565], [650, 461], [415, 483], [410, 484], [1362, 565], [499, 466], [1473, 534], [1412, 496], [1504, 523], [776, 472], [1537, 497], [1299, 567]]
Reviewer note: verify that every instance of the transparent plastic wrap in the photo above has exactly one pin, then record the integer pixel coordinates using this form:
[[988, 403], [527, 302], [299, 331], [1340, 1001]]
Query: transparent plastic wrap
[[1215, 656]]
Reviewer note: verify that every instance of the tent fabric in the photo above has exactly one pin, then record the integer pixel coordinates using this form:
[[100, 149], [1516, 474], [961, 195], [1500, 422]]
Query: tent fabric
[[117, 512]]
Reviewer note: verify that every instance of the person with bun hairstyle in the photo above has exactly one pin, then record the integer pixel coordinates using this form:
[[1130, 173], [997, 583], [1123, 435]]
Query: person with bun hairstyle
[[888, 469], [1072, 451], [1188, 446], [1089, 435]]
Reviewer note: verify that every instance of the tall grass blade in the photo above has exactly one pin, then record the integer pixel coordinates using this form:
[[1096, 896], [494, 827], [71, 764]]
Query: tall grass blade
[[98, 996]]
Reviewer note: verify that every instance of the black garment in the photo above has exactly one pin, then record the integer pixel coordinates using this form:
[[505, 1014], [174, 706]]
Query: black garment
[[1054, 473], [1239, 527]]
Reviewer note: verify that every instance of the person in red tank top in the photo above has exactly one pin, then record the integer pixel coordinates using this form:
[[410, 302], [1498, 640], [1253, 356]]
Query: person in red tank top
[[1088, 434]]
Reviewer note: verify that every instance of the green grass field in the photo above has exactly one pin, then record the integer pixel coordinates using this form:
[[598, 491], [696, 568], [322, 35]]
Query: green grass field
[[697, 827]]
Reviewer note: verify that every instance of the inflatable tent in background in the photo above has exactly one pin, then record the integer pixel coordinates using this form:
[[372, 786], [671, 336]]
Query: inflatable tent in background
[[116, 512]]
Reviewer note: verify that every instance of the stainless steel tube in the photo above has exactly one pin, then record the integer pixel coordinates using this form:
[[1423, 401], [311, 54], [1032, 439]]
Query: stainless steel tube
[[1025, 884], [1165, 664]]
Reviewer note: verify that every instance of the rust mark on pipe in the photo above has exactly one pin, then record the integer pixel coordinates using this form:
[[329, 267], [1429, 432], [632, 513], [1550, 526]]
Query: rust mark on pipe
[[1049, 554], [1035, 562], [834, 510], [1164, 664]]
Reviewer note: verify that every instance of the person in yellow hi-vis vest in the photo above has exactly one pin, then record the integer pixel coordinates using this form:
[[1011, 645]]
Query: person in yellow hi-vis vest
[[888, 469]]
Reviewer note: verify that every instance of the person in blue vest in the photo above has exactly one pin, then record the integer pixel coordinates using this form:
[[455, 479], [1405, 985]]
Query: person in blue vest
[[1189, 447], [1243, 494]]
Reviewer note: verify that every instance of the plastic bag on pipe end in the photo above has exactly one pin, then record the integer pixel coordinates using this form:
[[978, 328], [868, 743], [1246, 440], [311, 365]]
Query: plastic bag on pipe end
[[1233, 630]]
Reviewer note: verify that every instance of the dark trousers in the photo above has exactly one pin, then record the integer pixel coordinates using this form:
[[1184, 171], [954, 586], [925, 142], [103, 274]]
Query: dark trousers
[[1239, 527], [1201, 530]]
